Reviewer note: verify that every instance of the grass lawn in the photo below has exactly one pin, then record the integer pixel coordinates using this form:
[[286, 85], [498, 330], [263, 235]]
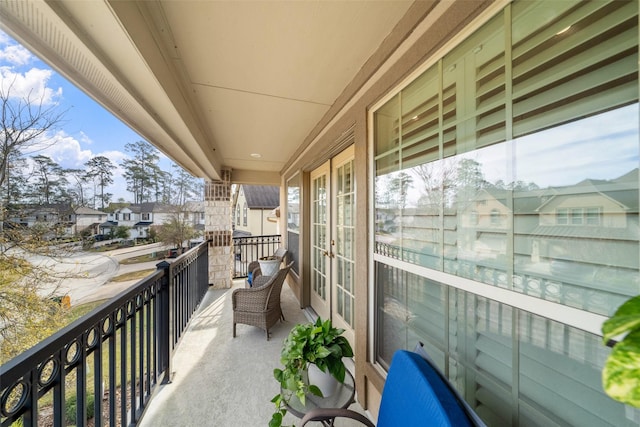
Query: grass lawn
[[46, 401], [154, 256], [133, 275]]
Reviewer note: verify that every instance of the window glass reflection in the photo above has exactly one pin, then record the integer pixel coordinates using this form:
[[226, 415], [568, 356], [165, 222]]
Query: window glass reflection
[[578, 224]]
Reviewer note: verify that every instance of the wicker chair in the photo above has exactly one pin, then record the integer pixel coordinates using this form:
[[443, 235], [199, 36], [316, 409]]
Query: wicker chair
[[260, 305], [254, 271]]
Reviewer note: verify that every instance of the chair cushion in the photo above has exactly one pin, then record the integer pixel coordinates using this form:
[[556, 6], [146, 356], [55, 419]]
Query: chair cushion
[[250, 278], [415, 395]]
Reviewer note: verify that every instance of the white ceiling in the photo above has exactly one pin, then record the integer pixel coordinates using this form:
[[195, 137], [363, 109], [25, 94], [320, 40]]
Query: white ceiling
[[210, 82]]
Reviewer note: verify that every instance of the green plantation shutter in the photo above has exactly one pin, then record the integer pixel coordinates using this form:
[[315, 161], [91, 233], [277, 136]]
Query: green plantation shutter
[[582, 62], [560, 376], [421, 120], [411, 311], [481, 355]]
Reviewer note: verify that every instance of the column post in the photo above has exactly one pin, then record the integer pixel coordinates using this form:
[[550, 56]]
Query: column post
[[218, 230]]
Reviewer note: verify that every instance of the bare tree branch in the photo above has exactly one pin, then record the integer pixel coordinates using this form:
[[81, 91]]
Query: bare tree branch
[[24, 124]]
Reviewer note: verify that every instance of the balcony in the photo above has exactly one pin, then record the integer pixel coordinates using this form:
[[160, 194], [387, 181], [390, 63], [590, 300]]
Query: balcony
[[159, 354]]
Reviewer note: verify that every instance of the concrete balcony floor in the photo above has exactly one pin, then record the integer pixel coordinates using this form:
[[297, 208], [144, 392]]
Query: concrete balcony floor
[[219, 380]]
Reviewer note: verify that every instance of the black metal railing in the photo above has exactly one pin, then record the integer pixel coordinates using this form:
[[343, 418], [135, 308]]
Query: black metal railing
[[250, 248], [107, 364]]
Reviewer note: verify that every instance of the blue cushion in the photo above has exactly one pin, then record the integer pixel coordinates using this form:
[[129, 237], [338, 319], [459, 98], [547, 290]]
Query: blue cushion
[[250, 277], [415, 395]]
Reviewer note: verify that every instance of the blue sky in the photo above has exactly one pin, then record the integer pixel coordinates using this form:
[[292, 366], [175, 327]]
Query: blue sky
[[87, 129]]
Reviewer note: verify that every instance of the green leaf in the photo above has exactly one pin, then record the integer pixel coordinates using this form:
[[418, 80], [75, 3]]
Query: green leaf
[[276, 420], [278, 374], [322, 352], [315, 390], [301, 396], [621, 373], [625, 319], [337, 369]]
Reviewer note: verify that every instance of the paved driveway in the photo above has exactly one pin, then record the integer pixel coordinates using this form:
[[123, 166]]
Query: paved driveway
[[86, 276]]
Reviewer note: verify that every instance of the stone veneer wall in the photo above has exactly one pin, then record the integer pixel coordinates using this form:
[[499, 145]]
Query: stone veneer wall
[[218, 230]]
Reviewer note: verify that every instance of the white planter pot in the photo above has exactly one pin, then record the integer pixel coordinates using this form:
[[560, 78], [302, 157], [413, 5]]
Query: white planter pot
[[269, 267], [323, 380]]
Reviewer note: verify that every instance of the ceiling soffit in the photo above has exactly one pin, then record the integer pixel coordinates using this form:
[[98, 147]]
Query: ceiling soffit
[[210, 82], [55, 32]]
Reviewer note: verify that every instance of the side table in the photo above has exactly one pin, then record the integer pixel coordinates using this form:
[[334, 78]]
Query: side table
[[341, 398]]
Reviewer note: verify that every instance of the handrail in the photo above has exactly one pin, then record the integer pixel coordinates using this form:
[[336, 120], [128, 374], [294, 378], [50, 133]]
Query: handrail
[[251, 248], [116, 355]]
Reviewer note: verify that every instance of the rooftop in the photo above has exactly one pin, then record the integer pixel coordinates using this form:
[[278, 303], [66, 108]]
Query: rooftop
[[262, 196]]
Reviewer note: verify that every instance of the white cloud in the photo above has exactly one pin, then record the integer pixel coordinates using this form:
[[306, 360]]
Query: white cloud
[[20, 81], [12, 52], [64, 149], [15, 55], [31, 85], [85, 138], [67, 152]]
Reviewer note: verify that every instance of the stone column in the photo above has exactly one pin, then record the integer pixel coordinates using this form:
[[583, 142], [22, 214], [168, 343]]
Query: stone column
[[218, 230]]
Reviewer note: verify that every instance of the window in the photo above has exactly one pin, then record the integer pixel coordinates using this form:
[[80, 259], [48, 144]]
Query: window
[[506, 130], [592, 216], [146, 217], [126, 217], [245, 212], [579, 216], [576, 216], [293, 220], [475, 218], [562, 216], [495, 217], [237, 214]]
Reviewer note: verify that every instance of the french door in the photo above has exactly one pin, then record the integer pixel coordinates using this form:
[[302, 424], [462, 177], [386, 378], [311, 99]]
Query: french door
[[332, 241]]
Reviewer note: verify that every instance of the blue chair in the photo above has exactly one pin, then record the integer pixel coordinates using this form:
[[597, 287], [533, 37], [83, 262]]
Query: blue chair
[[415, 394]]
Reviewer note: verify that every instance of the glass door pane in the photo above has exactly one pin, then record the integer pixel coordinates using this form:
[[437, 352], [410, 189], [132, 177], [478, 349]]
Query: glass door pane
[[342, 245], [320, 298]]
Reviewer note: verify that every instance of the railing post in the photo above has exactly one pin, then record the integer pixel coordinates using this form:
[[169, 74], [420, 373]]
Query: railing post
[[164, 321]]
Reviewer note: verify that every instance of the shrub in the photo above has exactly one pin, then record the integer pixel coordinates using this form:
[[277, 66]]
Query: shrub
[[71, 405]]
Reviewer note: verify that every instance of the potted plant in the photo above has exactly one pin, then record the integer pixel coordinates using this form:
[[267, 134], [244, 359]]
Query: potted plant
[[316, 343], [269, 265], [621, 373]]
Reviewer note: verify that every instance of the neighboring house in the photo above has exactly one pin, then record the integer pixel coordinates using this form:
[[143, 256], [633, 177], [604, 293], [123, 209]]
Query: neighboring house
[[254, 209], [58, 215], [141, 217], [70, 221], [88, 219], [589, 232], [138, 217], [193, 212]]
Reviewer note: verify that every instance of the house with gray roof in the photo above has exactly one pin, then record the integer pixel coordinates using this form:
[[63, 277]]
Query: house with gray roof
[[254, 210], [141, 217], [67, 220]]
